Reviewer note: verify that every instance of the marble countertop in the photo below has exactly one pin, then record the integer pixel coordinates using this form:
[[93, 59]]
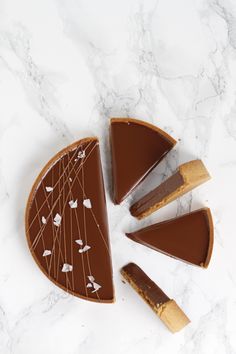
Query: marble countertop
[[66, 66]]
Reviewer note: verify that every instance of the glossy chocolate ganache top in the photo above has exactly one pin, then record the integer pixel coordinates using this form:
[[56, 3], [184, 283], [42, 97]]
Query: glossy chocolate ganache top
[[137, 147], [188, 237], [66, 223]]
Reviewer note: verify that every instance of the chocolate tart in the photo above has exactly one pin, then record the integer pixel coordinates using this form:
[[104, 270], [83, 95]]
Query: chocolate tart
[[188, 176], [165, 308], [66, 223], [188, 238], [137, 147]]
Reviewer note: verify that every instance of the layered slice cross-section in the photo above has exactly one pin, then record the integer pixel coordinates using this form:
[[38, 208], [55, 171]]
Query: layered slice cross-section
[[188, 237]]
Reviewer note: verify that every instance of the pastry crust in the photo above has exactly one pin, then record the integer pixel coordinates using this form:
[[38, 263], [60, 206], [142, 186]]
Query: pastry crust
[[211, 237], [172, 316]]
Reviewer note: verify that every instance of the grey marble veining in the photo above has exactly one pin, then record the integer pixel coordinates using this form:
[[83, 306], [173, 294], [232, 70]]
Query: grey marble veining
[[65, 68]]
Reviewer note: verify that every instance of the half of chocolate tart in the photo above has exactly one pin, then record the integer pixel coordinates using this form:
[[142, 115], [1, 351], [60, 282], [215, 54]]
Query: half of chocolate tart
[[66, 223]]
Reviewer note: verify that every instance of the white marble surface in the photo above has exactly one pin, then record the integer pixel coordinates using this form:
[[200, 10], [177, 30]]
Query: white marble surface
[[66, 66]]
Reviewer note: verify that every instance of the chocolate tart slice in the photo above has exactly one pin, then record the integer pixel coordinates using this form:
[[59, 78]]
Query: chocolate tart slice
[[188, 237], [66, 223], [188, 176], [137, 147], [165, 308]]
